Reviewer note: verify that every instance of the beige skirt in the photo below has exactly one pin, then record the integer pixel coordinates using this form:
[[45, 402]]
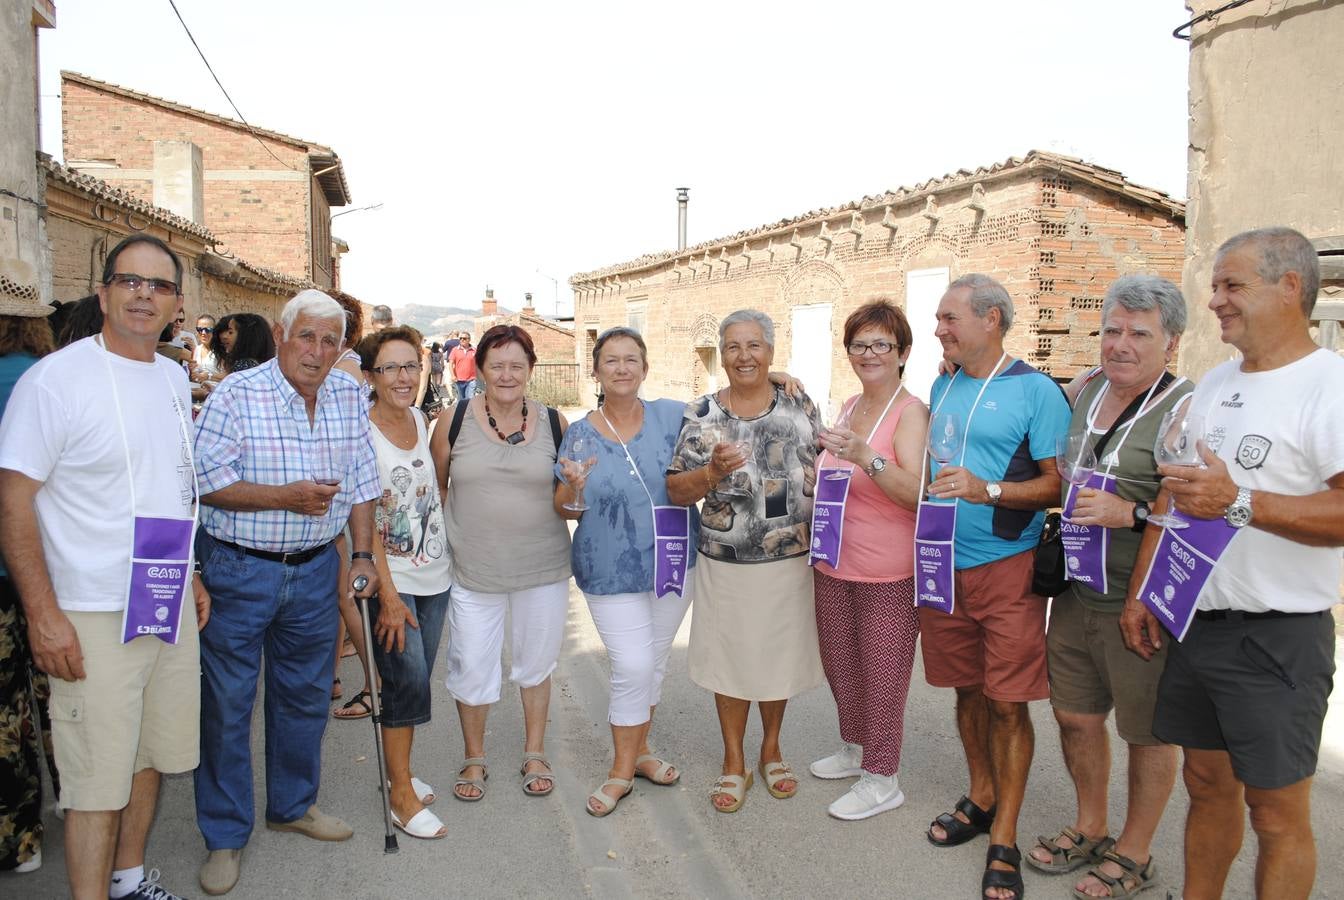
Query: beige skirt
[[754, 629]]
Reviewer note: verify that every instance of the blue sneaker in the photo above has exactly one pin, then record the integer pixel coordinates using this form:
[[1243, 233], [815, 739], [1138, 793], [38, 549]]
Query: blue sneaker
[[149, 889]]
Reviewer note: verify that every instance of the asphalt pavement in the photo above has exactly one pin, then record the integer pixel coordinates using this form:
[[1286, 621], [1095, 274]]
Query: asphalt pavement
[[662, 841]]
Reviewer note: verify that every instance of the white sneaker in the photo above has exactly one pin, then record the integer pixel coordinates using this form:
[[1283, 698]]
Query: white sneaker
[[870, 795], [32, 865], [847, 762]]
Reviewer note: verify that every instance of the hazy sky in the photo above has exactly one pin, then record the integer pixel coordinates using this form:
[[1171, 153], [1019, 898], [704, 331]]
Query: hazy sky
[[503, 138]]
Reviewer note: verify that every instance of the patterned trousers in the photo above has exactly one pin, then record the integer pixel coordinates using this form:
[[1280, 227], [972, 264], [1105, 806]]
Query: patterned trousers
[[25, 736], [868, 632]]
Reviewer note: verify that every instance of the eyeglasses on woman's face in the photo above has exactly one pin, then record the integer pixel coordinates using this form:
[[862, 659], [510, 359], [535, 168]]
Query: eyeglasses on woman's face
[[412, 368], [878, 348]]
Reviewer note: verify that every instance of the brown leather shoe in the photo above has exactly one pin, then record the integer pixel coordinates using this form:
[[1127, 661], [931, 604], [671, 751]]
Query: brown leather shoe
[[221, 870], [315, 824]]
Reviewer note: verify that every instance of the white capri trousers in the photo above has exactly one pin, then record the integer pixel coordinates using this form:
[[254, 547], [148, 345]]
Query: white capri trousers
[[476, 639], [638, 630]]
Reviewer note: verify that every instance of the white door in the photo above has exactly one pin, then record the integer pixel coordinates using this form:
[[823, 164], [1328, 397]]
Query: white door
[[923, 289], [810, 354]]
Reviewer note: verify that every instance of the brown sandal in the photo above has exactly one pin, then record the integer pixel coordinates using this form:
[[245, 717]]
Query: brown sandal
[[1085, 851]]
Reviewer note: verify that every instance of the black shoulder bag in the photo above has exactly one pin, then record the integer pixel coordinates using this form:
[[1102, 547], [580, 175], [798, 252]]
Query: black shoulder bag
[[1050, 571]]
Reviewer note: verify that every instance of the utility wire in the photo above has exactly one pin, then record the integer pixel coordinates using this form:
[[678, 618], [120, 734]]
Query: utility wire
[[211, 70], [1211, 14]]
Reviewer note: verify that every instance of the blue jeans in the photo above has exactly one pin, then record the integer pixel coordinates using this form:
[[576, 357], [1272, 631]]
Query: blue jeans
[[466, 389], [406, 674], [288, 614]]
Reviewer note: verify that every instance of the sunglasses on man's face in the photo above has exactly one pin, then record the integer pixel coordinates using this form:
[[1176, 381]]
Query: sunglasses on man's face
[[206, 330]]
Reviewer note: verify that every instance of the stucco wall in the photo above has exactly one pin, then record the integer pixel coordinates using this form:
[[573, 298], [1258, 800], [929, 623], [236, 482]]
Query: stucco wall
[[1266, 138], [22, 229]]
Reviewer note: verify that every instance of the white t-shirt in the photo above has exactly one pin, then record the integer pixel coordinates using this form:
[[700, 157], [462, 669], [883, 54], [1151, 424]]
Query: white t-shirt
[[408, 518], [62, 428], [1280, 431]]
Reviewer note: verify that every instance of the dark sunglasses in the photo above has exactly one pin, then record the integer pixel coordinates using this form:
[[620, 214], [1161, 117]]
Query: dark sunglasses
[[200, 330]]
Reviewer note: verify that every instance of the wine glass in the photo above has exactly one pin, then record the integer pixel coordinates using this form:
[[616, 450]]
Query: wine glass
[[581, 457], [1074, 458], [846, 415], [1176, 445], [329, 461], [945, 433]]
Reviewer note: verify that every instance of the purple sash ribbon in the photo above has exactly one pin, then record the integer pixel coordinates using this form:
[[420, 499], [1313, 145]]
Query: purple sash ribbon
[[1183, 562], [160, 570], [935, 528], [828, 516], [1086, 546], [671, 539]]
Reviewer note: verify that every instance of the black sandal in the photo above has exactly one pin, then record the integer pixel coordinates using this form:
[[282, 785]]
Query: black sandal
[[998, 878], [957, 831]]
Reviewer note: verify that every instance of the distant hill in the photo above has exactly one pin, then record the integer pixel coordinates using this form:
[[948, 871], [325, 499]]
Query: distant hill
[[435, 320]]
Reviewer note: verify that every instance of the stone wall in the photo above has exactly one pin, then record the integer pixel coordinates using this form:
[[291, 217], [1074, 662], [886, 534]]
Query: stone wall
[[1055, 241], [1266, 138]]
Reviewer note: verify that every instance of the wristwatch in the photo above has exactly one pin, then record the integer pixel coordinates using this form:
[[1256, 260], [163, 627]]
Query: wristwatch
[[1141, 511], [361, 554], [877, 465], [995, 491], [1238, 515]]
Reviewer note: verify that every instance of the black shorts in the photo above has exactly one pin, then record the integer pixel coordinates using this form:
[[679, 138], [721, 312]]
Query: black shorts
[[1256, 688]]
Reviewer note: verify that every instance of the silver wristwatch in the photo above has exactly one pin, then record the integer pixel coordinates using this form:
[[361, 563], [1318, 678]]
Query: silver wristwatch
[[877, 465], [995, 491], [1238, 515]]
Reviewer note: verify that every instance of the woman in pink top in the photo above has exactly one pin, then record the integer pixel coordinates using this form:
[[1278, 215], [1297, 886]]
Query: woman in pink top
[[866, 619]]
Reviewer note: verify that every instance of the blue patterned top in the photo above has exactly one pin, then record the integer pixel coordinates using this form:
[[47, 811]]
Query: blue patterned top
[[612, 552]]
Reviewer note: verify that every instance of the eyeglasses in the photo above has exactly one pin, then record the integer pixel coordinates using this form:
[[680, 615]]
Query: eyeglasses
[[395, 368], [132, 282], [879, 348], [200, 330]]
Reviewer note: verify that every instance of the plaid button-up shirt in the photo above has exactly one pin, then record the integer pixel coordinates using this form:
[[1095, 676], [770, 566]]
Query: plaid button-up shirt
[[254, 427]]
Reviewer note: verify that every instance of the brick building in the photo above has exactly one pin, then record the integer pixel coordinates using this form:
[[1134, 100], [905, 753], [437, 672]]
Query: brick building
[[86, 217], [1055, 230], [265, 196], [555, 378]]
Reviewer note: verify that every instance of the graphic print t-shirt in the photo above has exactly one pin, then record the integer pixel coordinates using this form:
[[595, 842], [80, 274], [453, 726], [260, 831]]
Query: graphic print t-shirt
[[408, 517]]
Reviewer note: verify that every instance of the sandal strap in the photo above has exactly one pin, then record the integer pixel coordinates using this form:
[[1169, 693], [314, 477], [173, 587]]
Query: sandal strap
[[529, 756], [980, 818], [1124, 862], [472, 761], [1005, 854]]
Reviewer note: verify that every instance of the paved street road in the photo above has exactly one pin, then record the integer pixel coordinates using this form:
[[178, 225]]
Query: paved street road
[[663, 841]]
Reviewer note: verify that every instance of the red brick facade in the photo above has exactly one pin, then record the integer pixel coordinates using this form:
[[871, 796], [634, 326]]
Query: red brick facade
[[269, 210]]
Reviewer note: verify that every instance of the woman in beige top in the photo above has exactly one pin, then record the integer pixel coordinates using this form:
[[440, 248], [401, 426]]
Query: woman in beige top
[[510, 553]]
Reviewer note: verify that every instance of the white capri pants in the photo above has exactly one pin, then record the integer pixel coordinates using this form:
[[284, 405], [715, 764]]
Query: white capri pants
[[638, 630], [476, 638]]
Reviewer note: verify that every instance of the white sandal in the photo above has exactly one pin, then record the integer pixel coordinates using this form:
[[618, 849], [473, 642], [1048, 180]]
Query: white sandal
[[424, 825]]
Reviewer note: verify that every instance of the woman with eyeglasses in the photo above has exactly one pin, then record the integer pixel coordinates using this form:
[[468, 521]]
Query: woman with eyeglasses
[[865, 600], [414, 567]]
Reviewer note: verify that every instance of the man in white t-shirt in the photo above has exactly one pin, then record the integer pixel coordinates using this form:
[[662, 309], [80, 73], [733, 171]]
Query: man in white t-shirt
[[95, 444], [1245, 691]]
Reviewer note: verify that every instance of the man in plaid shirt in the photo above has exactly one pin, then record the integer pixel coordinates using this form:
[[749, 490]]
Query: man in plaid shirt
[[285, 462]]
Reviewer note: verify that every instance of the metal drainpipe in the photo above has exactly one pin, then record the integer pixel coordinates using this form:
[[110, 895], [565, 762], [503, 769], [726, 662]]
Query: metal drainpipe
[[683, 197]]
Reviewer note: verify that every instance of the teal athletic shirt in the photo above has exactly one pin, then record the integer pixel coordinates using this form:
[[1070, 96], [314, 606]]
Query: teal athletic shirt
[[1021, 413]]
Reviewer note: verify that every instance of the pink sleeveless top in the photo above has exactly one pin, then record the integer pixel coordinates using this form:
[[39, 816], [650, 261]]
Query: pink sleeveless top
[[878, 536]]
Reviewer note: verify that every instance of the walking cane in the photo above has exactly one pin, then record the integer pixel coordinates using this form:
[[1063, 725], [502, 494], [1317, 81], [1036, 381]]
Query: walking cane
[[390, 837]]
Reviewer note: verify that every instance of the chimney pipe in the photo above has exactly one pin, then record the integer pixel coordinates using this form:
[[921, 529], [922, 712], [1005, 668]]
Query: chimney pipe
[[683, 197]]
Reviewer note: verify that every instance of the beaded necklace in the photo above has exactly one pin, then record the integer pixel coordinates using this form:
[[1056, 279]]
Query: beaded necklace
[[517, 437]]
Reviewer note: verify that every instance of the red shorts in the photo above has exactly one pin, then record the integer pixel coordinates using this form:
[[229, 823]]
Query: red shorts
[[995, 636]]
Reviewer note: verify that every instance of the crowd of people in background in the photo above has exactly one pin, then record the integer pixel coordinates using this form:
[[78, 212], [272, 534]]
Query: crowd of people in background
[[808, 547]]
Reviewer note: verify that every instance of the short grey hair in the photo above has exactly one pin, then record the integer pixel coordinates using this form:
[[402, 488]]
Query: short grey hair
[[1140, 293], [987, 294], [1282, 250], [314, 303], [744, 316], [381, 313]]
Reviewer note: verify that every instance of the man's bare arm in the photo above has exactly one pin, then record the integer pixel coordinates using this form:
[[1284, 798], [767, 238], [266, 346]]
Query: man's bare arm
[[307, 498]]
